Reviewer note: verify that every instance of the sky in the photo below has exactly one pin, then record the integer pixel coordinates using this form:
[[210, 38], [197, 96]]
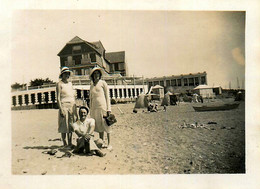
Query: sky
[[156, 43]]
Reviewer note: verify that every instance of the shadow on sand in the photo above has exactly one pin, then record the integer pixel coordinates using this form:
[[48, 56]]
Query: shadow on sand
[[43, 147]]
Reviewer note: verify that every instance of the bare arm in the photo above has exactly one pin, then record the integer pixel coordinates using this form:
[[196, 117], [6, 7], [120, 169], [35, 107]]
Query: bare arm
[[106, 92], [89, 133], [92, 127], [58, 90], [90, 97]]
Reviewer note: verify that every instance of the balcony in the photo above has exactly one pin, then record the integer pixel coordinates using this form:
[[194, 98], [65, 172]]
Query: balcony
[[70, 63]]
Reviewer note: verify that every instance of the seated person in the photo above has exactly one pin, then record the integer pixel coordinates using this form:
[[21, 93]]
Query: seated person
[[84, 128], [152, 107]]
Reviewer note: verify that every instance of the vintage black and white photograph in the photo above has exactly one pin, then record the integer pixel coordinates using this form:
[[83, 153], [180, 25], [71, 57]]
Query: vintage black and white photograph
[[128, 92]]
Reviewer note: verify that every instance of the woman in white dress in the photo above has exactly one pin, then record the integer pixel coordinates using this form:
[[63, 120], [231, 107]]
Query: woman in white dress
[[100, 104], [67, 107]]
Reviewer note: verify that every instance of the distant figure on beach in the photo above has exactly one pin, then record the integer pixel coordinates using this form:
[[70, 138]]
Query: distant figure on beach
[[152, 107], [164, 108], [67, 106], [239, 96], [200, 98], [84, 128], [195, 98], [100, 104]]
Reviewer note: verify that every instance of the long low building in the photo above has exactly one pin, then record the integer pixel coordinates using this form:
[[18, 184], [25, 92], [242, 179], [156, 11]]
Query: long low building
[[47, 97], [179, 83]]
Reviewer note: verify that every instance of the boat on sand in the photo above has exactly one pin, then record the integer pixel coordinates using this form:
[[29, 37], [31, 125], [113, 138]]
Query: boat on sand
[[215, 107]]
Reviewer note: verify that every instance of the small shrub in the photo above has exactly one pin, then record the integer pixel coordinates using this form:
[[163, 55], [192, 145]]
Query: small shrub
[[113, 101]]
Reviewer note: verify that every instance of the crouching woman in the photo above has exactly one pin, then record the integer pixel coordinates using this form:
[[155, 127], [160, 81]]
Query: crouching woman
[[84, 128]]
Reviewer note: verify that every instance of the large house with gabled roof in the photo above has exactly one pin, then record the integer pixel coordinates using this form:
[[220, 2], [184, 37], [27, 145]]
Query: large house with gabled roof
[[81, 56]]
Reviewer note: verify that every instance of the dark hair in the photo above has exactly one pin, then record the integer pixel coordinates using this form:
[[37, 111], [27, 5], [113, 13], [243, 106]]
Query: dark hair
[[83, 107], [94, 72], [63, 73]]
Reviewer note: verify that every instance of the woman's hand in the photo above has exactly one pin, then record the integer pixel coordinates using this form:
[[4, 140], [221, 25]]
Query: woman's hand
[[62, 112], [87, 136]]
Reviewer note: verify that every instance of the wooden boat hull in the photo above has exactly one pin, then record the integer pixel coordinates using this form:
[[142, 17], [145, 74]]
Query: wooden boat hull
[[215, 107]]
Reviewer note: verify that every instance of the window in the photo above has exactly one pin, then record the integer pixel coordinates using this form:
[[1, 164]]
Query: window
[[168, 83], [93, 57], [191, 81], [53, 96], [156, 83], [125, 92], [77, 59], [46, 97], [162, 83], [14, 100], [150, 84], [203, 80], [185, 80], [116, 95], [178, 82], [76, 49], [111, 93], [26, 99], [120, 93], [173, 81], [39, 96], [78, 93], [133, 90], [33, 98], [63, 61], [116, 67], [20, 100], [129, 92], [196, 81], [137, 92]]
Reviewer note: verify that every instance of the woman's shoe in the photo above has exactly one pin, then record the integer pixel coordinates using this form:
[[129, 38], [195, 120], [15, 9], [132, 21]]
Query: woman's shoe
[[100, 154], [109, 147]]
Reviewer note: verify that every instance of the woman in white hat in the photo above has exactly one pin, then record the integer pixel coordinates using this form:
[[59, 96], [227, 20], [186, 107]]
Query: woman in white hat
[[100, 104], [67, 107]]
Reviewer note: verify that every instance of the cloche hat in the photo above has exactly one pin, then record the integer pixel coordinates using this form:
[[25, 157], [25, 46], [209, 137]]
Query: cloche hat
[[63, 70], [95, 69]]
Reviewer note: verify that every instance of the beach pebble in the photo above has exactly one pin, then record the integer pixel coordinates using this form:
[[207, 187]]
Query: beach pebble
[[166, 168], [44, 173], [25, 171], [145, 144]]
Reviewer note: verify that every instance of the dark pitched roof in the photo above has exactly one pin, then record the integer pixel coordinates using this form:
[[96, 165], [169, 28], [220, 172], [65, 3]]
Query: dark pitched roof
[[115, 57], [98, 46], [75, 40]]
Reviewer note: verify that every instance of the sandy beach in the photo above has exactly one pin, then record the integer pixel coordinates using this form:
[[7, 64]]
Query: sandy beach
[[143, 143]]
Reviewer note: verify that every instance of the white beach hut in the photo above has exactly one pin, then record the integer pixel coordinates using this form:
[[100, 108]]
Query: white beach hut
[[205, 91]]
